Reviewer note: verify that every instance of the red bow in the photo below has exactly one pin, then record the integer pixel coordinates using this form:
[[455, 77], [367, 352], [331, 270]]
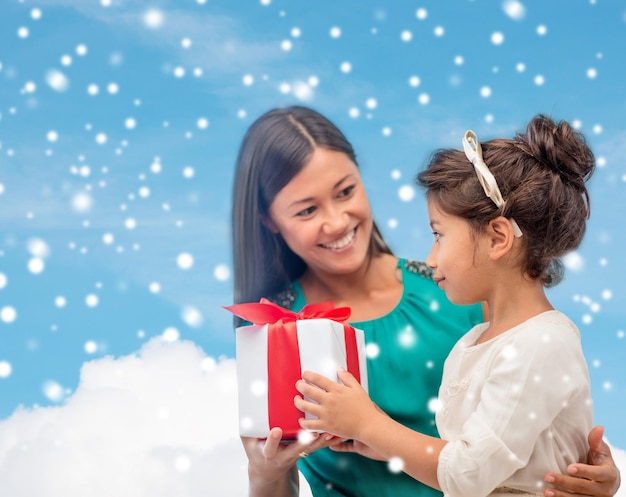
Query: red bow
[[267, 312]]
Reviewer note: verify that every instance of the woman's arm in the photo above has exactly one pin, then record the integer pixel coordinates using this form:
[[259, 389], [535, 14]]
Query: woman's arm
[[272, 469], [599, 478]]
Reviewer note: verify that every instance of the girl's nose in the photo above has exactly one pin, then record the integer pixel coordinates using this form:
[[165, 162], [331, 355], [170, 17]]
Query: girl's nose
[[430, 260]]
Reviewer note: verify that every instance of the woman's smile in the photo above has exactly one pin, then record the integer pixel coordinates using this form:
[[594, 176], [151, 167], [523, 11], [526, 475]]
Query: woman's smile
[[342, 243]]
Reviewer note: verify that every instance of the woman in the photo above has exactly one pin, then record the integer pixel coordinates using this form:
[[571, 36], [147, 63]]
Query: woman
[[303, 232]]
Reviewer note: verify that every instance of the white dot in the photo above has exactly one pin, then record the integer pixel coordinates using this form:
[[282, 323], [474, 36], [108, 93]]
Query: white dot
[[286, 45], [3, 280], [8, 314], [52, 136], [91, 347], [203, 123], [406, 193], [542, 30], [144, 192], [53, 391], [30, 87], [60, 301], [592, 73], [101, 138], [335, 32], [345, 67], [514, 9], [296, 32], [130, 123], [153, 18], [395, 464], [414, 81], [185, 43], [221, 272], [130, 223], [372, 350], [192, 316], [423, 99], [23, 32], [539, 80], [520, 67], [36, 265], [497, 38], [421, 14], [5, 369], [386, 131], [392, 223], [182, 464], [184, 260], [93, 89], [371, 103], [82, 202], [66, 60], [81, 50], [406, 36], [485, 92], [248, 79], [113, 88], [597, 129], [439, 31], [91, 300], [35, 14], [57, 80], [354, 112], [170, 334]]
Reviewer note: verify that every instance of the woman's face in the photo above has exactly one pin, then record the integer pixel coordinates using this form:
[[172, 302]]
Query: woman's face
[[323, 214]]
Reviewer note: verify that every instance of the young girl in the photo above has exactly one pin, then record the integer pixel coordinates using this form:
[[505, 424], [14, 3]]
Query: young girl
[[303, 232], [515, 398]]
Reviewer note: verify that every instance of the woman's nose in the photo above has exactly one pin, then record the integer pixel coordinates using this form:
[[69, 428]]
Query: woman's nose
[[335, 221]]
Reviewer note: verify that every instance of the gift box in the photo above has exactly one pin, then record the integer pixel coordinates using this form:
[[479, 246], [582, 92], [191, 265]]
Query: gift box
[[274, 351]]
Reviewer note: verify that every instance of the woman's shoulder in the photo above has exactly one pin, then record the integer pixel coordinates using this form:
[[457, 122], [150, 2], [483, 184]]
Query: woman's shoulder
[[286, 297], [418, 268]]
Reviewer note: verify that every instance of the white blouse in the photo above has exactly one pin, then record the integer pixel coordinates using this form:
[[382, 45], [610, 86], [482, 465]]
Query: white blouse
[[513, 408]]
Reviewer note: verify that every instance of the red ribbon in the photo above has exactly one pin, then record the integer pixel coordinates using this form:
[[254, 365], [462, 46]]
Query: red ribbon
[[283, 362]]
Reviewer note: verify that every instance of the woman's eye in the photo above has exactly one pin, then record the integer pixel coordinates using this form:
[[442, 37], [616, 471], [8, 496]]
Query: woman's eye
[[305, 212], [347, 191]]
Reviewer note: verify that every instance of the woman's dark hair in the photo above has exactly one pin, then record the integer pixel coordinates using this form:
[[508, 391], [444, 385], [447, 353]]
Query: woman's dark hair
[[276, 148], [541, 174]]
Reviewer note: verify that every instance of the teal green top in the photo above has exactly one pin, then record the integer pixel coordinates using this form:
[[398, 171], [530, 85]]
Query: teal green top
[[412, 341]]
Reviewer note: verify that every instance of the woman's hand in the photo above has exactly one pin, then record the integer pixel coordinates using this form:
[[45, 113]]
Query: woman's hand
[[272, 469], [358, 448], [599, 478]]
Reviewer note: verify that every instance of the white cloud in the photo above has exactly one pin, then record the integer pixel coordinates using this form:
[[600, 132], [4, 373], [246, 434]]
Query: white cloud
[[159, 423], [154, 424]]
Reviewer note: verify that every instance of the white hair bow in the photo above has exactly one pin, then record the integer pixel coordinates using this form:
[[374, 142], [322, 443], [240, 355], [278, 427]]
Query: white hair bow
[[474, 154]]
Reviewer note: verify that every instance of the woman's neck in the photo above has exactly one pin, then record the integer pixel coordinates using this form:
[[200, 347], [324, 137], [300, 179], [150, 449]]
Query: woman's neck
[[371, 292]]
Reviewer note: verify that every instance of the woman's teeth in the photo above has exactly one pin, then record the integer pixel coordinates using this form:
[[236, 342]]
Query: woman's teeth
[[341, 243]]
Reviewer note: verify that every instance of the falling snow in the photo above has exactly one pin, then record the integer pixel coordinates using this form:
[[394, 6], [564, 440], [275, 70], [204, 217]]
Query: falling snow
[[117, 145]]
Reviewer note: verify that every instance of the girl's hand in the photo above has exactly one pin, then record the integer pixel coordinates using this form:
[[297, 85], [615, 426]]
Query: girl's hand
[[599, 478], [341, 408]]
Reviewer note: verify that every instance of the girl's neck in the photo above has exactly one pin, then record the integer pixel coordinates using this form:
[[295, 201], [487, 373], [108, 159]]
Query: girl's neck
[[512, 305]]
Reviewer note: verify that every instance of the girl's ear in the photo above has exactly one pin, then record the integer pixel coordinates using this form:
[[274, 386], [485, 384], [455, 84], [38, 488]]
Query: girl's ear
[[269, 224], [501, 237]]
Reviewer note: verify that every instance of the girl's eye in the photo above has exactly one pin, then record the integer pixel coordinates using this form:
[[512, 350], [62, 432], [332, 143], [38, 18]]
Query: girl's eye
[[437, 235], [347, 191]]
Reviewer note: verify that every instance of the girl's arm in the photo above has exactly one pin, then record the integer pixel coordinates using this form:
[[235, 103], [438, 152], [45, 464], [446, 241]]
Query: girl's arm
[[346, 410]]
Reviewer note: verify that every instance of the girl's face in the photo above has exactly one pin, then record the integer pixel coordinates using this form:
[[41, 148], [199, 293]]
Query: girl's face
[[458, 257], [323, 214]]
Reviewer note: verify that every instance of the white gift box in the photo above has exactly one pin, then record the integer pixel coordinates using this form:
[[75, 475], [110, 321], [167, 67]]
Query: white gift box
[[272, 357]]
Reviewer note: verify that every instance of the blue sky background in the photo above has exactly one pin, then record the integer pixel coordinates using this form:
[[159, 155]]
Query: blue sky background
[[120, 122]]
